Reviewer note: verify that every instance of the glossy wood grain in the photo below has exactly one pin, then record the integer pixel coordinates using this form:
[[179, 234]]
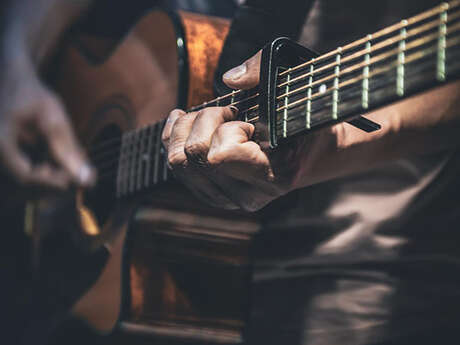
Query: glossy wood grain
[[205, 37]]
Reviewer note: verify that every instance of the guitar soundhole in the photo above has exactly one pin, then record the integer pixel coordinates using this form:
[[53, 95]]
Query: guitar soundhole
[[104, 154]]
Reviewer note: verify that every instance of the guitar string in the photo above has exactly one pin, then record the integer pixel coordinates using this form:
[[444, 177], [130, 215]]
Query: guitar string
[[388, 68], [408, 58], [414, 44], [382, 86], [112, 151], [102, 145], [449, 43], [395, 27], [156, 147], [359, 54], [381, 45]]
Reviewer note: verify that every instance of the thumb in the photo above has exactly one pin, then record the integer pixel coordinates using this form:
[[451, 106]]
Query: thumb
[[244, 76]]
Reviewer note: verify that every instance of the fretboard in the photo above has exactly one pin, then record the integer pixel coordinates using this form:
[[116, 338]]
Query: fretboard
[[411, 56], [142, 161]]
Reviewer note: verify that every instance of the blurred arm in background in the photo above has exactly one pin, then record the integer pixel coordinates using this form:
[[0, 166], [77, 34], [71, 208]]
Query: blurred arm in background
[[30, 113]]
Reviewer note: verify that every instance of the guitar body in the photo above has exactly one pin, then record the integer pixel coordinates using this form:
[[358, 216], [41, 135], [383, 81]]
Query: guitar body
[[112, 86]]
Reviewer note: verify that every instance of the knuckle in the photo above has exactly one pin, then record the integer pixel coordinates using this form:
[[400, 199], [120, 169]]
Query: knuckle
[[182, 121], [196, 148], [211, 114], [176, 159], [54, 123], [215, 158], [204, 112]]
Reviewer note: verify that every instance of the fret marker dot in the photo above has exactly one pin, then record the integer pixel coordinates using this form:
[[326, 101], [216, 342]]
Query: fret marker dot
[[322, 88]]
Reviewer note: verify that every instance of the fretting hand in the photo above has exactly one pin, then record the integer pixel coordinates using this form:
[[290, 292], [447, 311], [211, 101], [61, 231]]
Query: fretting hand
[[214, 155]]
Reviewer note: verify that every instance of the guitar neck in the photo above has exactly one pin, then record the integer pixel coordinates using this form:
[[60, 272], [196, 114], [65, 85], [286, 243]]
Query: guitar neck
[[408, 57], [396, 62]]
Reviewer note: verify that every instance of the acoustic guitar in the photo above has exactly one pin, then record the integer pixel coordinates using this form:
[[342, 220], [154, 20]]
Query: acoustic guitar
[[118, 94]]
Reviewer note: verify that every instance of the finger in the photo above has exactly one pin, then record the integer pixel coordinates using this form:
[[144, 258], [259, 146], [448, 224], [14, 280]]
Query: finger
[[63, 144], [15, 162], [246, 75], [179, 134], [206, 122], [175, 133], [46, 177], [172, 117], [234, 154]]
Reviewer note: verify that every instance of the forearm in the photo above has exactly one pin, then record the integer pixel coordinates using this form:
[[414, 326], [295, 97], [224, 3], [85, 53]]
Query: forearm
[[32, 28], [426, 123]]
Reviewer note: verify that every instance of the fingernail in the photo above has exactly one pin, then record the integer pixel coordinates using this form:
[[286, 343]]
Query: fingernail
[[234, 109], [236, 72]]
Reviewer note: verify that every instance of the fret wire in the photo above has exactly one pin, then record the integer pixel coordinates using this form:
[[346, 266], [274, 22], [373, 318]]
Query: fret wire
[[120, 167], [126, 163], [308, 109], [286, 102], [441, 62], [232, 99], [149, 153], [365, 91], [142, 158], [335, 92], [408, 58], [414, 44], [133, 165], [401, 55], [411, 21]]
